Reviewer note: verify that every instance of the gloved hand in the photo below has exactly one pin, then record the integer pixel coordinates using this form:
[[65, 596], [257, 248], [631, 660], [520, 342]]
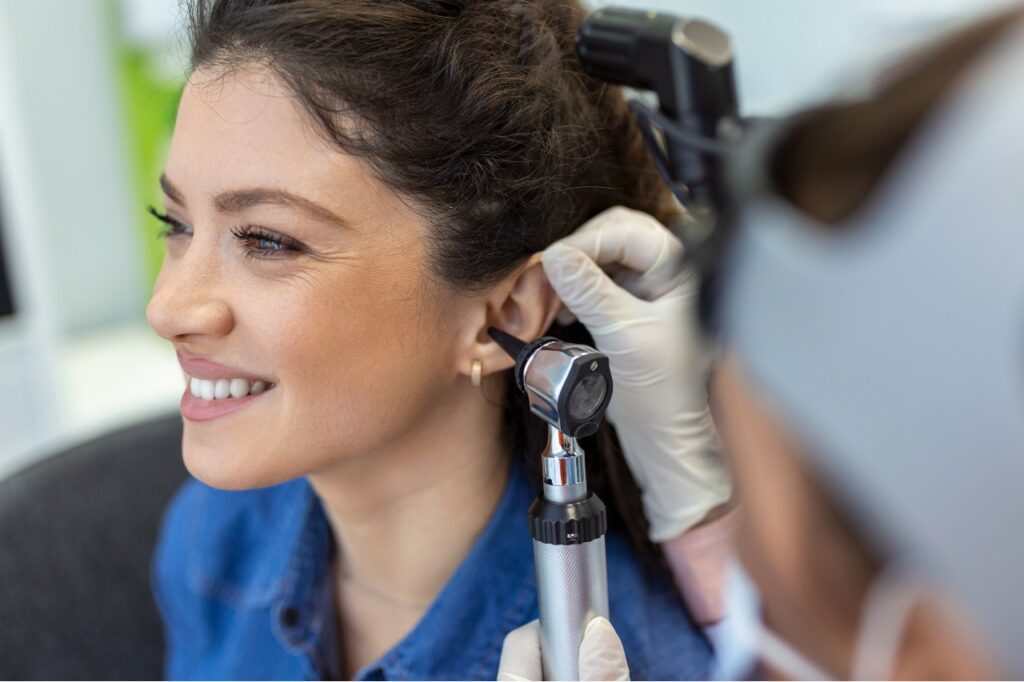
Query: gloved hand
[[645, 321], [601, 653]]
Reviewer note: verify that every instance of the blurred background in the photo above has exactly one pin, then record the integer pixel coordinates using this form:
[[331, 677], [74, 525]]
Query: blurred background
[[88, 90]]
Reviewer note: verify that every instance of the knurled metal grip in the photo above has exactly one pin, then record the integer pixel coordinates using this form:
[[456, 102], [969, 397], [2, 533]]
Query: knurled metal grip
[[572, 590], [572, 578]]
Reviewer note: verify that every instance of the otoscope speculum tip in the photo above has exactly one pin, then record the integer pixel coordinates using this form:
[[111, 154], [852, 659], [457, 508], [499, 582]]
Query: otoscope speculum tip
[[510, 344]]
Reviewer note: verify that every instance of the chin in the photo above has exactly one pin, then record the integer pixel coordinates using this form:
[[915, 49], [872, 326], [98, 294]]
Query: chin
[[231, 468]]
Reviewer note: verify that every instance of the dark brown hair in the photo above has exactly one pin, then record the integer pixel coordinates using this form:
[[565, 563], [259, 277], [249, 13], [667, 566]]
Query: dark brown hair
[[829, 164], [477, 111]]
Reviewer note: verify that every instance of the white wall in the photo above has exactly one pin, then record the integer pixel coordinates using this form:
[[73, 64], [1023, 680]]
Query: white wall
[[71, 232], [62, 80]]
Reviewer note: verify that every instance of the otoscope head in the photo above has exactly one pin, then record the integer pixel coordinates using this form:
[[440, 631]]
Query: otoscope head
[[686, 62], [568, 385]]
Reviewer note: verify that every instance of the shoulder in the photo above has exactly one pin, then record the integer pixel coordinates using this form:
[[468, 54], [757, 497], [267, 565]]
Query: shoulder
[[227, 545], [661, 640], [221, 565]]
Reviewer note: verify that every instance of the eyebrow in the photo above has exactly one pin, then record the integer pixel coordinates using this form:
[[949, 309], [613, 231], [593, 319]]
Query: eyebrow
[[237, 200]]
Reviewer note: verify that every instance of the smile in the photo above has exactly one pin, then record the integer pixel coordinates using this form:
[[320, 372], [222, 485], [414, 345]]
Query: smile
[[206, 399], [222, 389]]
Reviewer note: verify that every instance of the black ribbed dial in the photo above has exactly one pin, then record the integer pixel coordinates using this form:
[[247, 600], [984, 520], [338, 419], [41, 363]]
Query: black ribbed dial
[[574, 523]]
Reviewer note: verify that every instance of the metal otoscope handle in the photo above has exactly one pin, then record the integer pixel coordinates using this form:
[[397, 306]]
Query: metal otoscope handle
[[569, 386], [568, 525]]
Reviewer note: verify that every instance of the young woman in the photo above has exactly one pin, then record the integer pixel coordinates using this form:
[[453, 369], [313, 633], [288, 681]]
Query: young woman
[[354, 193]]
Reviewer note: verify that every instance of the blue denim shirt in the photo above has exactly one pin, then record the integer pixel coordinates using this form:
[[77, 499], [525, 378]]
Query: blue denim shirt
[[243, 581]]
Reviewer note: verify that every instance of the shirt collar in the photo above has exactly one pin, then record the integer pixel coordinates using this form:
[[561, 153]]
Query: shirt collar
[[491, 593], [303, 601], [460, 637]]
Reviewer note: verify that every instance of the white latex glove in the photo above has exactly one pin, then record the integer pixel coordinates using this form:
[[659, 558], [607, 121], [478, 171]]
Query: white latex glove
[[601, 653], [645, 322]]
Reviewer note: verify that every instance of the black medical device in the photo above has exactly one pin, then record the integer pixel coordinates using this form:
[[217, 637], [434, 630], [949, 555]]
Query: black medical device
[[569, 386], [688, 64]]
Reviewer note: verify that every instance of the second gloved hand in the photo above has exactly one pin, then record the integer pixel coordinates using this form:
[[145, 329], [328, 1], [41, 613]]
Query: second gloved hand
[[601, 654], [644, 320]]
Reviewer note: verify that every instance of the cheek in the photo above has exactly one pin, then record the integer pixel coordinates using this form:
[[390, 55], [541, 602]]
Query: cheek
[[359, 354]]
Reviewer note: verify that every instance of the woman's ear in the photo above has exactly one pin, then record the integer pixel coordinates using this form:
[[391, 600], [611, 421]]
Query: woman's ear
[[523, 305]]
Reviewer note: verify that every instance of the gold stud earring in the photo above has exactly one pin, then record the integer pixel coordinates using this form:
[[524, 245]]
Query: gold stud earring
[[476, 373]]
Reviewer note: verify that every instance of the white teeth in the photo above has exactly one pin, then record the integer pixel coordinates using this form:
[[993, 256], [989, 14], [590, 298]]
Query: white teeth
[[208, 389], [239, 388], [222, 389]]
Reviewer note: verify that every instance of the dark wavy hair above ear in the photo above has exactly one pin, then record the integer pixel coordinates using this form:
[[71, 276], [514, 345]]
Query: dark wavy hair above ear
[[837, 154], [480, 114]]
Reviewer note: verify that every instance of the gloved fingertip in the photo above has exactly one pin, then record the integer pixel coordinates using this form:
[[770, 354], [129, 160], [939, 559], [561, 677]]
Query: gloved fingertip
[[564, 317], [506, 676], [585, 289], [554, 252], [560, 261], [520, 654], [601, 654], [599, 627]]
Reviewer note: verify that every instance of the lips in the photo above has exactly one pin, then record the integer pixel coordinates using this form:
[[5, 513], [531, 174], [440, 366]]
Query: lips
[[215, 390], [202, 368], [199, 410]]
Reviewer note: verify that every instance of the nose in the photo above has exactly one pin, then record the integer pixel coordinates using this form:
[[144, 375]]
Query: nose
[[187, 302]]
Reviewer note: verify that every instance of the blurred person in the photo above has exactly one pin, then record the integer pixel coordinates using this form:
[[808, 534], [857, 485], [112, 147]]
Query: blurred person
[[354, 193], [872, 399]]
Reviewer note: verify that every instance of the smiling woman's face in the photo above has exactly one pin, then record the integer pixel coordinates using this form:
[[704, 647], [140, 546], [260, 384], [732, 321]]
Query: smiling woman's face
[[288, 261]]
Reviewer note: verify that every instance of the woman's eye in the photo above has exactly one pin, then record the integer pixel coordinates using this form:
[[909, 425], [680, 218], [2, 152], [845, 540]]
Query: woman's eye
[[258, 242], [171, 227], [262, 243]]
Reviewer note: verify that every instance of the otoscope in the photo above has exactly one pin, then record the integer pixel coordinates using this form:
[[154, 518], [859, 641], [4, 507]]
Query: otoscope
[[569, 386]]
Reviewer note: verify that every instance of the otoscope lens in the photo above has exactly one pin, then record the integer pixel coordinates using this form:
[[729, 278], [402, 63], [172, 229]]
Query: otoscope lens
[[587, 396]]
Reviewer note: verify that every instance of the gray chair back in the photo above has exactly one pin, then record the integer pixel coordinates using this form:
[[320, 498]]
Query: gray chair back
[[77, 532]]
